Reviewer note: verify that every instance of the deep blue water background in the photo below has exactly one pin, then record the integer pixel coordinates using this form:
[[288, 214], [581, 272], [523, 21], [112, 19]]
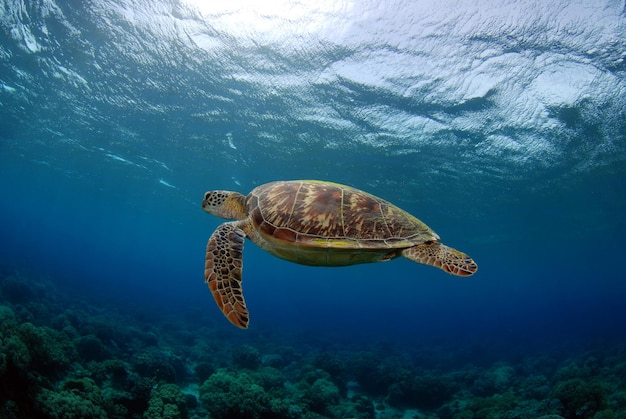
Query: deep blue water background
[[508, 139]]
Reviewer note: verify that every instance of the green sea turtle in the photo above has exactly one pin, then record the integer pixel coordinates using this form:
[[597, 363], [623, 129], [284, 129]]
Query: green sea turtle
[[313, 223]]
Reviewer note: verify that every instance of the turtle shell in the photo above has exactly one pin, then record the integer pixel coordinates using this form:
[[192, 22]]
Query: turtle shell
[[329, 215]]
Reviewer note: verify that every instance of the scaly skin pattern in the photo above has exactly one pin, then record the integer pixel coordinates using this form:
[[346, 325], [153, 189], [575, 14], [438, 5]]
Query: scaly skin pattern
[[443, 257], [222, 272]]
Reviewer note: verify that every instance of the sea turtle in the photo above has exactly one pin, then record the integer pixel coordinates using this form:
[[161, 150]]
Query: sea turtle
[[317, 223]]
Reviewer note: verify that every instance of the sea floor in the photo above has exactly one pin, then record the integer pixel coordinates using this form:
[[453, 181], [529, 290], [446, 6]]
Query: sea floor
[[65, 357]]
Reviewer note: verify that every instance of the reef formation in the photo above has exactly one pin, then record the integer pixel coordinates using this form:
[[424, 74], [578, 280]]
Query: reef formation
[[67, 358]]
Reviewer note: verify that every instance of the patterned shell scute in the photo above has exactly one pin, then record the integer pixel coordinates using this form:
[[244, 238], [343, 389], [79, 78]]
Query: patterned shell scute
[[318, 212]]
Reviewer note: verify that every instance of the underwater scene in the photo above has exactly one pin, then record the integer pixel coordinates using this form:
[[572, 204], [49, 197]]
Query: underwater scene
[[484, 138]]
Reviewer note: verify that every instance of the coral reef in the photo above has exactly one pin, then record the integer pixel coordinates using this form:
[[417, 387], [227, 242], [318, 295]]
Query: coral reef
[[246, 356], [580, 398], [228, 394], [63, 359], [167, 401]]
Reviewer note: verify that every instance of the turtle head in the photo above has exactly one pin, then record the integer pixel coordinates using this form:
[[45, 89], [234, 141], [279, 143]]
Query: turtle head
[[225, 204]]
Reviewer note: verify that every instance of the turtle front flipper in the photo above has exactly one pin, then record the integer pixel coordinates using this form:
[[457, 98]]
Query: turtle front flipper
[[443, 257], [222, 272]]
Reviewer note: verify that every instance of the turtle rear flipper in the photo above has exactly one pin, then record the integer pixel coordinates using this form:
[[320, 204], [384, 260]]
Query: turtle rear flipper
[[222, 272], [443, 257]]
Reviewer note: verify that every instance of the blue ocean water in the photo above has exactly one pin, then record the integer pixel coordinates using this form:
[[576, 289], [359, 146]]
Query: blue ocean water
[[502, 125]]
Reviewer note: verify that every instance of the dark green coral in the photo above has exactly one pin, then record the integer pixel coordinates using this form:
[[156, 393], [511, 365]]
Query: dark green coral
[[580, 398], [166, 402], [228, 394]]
